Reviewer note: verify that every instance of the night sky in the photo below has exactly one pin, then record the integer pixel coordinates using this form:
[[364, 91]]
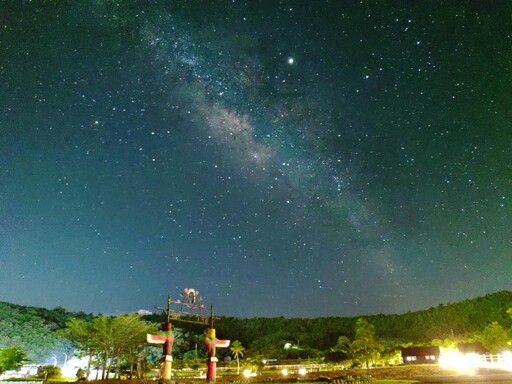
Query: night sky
[[284, 158]]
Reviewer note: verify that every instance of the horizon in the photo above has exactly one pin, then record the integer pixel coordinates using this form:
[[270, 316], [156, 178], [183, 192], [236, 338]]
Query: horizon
[[149, 313]]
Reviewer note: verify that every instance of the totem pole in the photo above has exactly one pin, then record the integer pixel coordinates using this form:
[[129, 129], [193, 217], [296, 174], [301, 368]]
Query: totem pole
[[166, 337], [212, 343], [190, 300]]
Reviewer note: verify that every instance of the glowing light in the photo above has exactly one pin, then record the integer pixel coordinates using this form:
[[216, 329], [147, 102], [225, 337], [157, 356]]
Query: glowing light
[[291, 60], [302, 371], [249, 373], [455, 360], [468, 363], [506, 360], [284, 372]]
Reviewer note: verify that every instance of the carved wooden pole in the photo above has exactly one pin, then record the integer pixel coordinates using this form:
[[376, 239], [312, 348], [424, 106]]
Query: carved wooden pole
[[211, 343], [167, 352], [166, 337]]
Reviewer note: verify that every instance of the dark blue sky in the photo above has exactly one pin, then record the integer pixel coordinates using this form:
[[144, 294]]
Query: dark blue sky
[[301, 158]]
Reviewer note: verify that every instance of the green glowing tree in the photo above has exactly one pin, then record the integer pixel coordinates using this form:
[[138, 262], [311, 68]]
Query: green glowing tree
[[12, 358], [365, 344], [27, 328], [238, 351], [79, 332], [447, 343], [48, 372], [111, 341], [494, 337], [130, 340], [342, 345]]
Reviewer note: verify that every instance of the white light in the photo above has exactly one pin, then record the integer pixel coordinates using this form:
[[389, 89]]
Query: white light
[[247, 373], [459, 362], [507, 356], [284, 372], [302, 371], [291, 60]]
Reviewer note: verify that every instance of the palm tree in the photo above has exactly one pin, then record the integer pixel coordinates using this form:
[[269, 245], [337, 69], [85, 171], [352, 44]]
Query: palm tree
[[238, 351]]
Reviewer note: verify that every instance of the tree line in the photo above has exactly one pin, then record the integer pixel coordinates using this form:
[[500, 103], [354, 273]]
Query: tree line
[[111, 342], [460, 320], [118, 344]]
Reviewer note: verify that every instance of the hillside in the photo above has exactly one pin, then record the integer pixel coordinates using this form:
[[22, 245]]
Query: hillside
[[34, 328], [456, 319]]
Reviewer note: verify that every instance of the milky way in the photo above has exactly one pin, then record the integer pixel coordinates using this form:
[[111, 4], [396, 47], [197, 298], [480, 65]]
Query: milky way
[[301, 158]]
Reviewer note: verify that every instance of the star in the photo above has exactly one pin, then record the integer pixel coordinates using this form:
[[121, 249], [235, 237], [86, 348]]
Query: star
[[352, 149]]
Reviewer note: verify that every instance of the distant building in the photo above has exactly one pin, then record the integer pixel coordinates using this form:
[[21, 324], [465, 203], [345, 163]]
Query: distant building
[[420, 355]]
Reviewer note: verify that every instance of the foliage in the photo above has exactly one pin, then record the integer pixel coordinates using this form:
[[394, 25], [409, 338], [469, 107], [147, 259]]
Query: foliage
[[494, 337], [111, 341], [237, 350], [391, 357], [458, 321], [447, 343], [12, 358], [33, 329], [40, 333], [342, 346], [48, 372], [365, 345], [80, 374], [194, 363], [254, 362]]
